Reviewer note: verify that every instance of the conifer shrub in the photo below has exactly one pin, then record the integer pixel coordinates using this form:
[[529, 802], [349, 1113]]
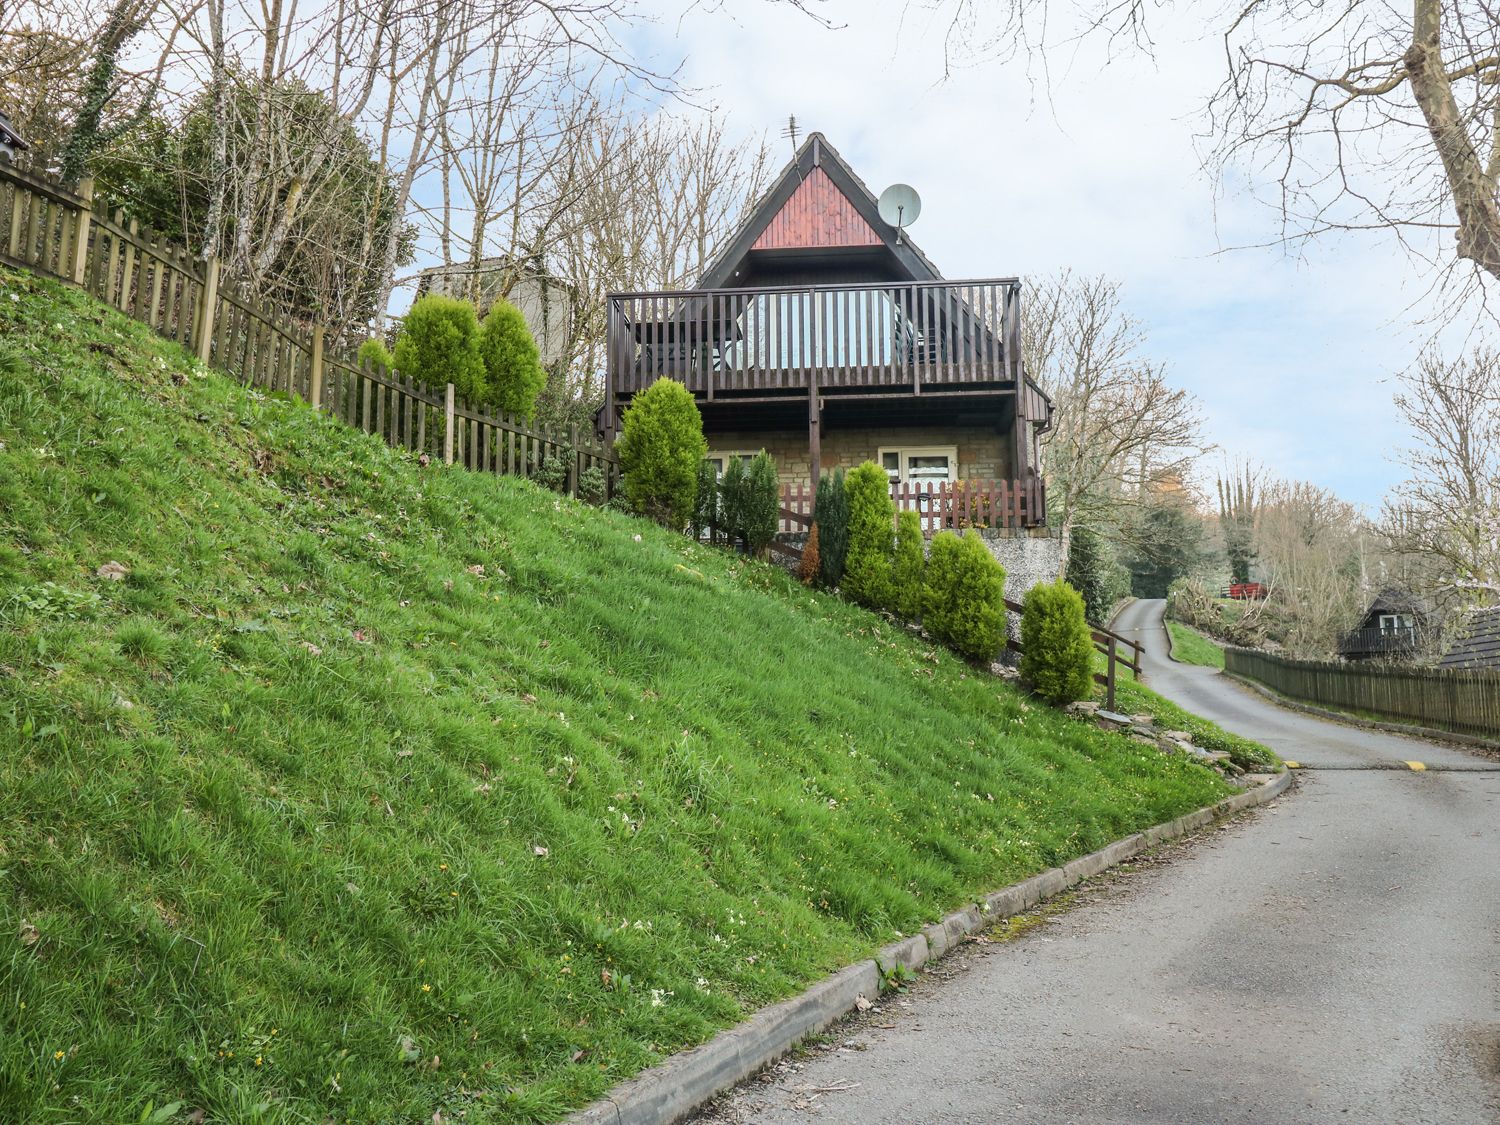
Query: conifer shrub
[[1095, 572], [831, 514], [872, 536], [660, 447], [439, 344], [732, 500], [1057, 652], [592, 486], [513, 370], [706, 504], [552, 473], [810, 569], [762, 505], [907, 573], [963, 602], [374, 353]]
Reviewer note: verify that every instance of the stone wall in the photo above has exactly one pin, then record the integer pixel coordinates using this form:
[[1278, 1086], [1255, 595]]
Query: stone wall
[[983, 453]]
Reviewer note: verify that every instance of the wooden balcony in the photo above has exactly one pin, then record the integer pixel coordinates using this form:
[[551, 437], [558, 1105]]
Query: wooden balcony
[[770, 342]]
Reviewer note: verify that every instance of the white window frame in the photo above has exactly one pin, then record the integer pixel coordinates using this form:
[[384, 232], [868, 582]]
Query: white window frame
[[1393, 623], [722, 456], [906, 452]]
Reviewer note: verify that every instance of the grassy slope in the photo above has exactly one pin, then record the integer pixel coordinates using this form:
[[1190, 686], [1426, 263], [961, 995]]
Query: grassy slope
[[310, 817], [1191, 647]]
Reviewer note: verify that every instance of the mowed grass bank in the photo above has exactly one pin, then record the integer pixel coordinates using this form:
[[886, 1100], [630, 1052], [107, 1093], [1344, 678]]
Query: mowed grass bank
[[1191, 647], [372, 792]]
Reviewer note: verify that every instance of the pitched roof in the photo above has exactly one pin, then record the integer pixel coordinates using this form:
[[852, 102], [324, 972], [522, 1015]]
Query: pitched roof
[[1478, 643], [817, 202]]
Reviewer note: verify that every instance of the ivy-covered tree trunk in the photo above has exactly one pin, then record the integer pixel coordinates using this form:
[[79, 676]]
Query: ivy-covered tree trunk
[[88, 134]]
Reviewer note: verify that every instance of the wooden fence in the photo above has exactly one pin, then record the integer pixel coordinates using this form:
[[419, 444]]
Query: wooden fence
[[1465, 702], [54, 230], [942, 505]]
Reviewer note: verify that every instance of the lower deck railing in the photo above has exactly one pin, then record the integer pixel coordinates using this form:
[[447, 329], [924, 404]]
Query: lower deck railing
[[942, 505]]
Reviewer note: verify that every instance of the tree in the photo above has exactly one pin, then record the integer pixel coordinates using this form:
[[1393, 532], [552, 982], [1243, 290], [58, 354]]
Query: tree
[[762, 511], [1095, 572], [963, 598], [1237, 504], [1368, 114], [1167, 544], [907, 572], [439, 344], [1057, 648], [872, 518], [1120, 431], [831, 514], [706, 515], [513, 370], [660, 448], [1446, 514]]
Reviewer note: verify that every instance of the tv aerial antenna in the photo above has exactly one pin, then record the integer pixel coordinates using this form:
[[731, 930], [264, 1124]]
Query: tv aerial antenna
[[900, 205], [792, 130]]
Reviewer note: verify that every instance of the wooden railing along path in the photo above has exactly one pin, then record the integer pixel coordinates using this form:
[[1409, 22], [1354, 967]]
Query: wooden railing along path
[[54, 230], [1467, 702]]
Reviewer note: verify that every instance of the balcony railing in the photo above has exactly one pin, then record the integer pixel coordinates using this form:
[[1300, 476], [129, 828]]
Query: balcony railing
[[1378, 642], [942, 505], [915, 335]]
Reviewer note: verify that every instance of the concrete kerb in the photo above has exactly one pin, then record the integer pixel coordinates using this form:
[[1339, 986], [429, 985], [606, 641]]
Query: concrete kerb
[[672, 1090]]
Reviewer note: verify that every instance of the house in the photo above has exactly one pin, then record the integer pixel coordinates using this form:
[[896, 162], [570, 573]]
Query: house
[[544, 300], [1394, 627], [1476, 643], [825, 336]]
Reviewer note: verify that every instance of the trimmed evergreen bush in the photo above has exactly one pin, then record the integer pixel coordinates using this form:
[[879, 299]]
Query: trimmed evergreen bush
[[660, 447], [374, 353], [1057, 652], [907, 574], [762, 508], [513, 369], [963, 602], [706, 504], [592, 487], [872, 536], [439, 344], [810, 568], [831, 514], [732, 500]]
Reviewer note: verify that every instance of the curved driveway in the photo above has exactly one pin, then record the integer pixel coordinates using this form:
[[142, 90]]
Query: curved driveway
[[1332, 957]]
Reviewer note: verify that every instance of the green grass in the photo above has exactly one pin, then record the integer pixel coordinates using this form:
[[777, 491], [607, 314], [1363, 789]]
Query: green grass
[[1191, 647], [373, 791], [1132, 698]]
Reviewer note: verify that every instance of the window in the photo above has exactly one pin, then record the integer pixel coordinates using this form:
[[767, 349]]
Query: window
[[1391, 623], [921, 465], [720, 461]]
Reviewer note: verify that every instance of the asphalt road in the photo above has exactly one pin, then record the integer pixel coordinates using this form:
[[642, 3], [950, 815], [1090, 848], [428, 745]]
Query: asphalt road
[[1334, 956]]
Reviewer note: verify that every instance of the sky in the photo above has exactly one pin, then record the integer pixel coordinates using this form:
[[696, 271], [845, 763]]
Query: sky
[[1291, 352]]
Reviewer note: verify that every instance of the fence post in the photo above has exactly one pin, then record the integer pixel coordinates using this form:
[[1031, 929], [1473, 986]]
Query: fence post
[[208, 311], [573, 458], [81, 230], [1109, 678], [315, 369], [448, 419]]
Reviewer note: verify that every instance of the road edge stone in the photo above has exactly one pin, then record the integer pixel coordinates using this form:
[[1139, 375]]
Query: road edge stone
[[683, 1083]]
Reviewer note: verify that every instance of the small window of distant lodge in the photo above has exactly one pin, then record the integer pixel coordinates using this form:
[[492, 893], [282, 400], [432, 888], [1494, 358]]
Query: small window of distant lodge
[[720, 459]]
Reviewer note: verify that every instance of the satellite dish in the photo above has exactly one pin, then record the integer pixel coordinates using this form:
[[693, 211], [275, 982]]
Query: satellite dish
[[900, 205]]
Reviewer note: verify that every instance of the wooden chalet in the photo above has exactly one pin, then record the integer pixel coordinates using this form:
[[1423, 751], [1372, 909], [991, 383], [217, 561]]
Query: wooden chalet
[[825, 336], [1393, 628]]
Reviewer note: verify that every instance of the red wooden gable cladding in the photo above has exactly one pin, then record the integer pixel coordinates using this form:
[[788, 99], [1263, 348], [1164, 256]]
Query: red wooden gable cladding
[[817, 214]]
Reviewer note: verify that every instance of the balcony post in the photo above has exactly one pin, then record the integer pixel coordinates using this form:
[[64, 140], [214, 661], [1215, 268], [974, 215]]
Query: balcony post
[[814, 437]]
